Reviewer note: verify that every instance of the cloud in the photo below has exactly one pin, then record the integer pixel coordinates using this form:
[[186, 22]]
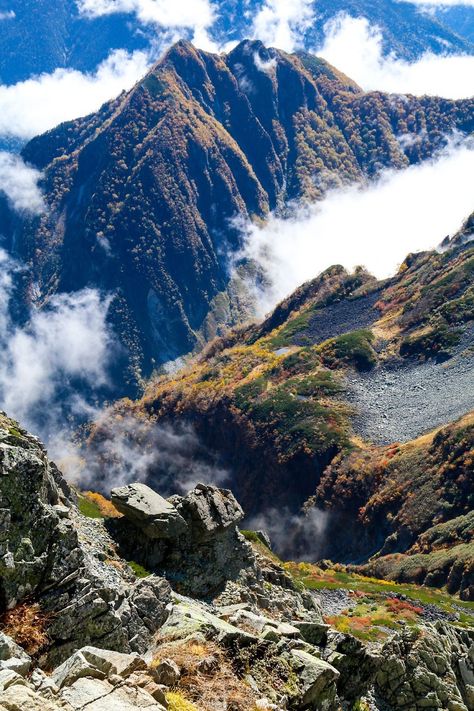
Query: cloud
[[7, 15], [196, 15], [52, 368], [41, 103], [126, 449], [440, 3], [376, 226], [295, 536], [281, 23], [354, 47], [19, 182]]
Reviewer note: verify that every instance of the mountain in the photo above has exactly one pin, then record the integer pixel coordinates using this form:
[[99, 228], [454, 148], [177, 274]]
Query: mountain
[[42, 36], [215, 620], [354, 401], [146, 198]]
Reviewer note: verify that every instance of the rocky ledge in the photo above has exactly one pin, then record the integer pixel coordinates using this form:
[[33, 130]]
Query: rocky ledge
[[214, 624]]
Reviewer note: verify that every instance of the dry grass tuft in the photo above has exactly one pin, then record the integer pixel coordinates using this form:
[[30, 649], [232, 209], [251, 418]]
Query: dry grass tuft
[[207, 677], [26, 624]]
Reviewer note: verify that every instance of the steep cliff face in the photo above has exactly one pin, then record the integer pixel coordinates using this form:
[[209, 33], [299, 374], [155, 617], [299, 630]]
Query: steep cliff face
[[143, 196]]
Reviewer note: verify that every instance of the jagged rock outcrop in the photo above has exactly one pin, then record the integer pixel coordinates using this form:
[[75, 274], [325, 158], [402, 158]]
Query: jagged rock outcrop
[[43, 559], [193, 538], [430, 668]]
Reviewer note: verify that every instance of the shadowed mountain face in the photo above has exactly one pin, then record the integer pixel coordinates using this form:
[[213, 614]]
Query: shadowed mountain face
[[145, 197]]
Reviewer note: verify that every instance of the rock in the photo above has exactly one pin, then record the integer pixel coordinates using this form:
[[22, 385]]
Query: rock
[[98, 664], [264, 538], [209, 511], [427, 668], [22, 698], [167, 673], [155, 516], [99, 695], [312, 632], [12, 656], [316, 680], [77, 667]]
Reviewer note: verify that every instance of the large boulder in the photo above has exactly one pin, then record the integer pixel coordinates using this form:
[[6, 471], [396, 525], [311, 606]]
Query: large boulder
[[431, 667], [206, 549], [209, 511], [155, 516]]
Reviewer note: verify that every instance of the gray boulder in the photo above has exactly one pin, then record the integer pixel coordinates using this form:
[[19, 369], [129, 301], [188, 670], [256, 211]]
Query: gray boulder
[[155, 516], [316, 680], [209, 511], [13, 656]]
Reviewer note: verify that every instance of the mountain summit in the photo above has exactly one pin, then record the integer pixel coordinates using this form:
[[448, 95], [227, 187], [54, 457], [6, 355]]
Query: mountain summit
[[146, 198]]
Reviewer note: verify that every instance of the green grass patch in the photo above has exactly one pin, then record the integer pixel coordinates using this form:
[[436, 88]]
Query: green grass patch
[[354, 348], [89, 508], [138, 569]]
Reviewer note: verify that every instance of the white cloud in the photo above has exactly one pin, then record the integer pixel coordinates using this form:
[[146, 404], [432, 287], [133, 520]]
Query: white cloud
[[62, 353], [376, 226], [196, 15], [440, 3], [128, 449], [354, 47], [8, 15], [19, 182], [281, 23], [41, 103]]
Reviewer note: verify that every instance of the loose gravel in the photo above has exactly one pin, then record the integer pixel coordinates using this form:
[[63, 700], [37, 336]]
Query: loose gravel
[[401, 401]]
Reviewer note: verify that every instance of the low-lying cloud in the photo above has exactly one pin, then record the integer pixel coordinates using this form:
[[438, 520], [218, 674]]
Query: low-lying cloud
[[19, 182], [52, 368], [38, 104], [355, 47], [296, 536], [282, 24], [375, 226], [125, 449]]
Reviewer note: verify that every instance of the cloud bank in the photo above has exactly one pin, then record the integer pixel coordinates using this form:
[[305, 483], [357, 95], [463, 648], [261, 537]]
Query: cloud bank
[[41, 103], [440, 3], [282, 23], [170, 458], [195, 15], [52, 368], [19, 182], [354, 47], [374, 226]]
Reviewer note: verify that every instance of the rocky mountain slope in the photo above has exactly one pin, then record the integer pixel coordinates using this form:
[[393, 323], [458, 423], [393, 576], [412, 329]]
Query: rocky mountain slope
[[354, 396], [215, 622], [143, 197]]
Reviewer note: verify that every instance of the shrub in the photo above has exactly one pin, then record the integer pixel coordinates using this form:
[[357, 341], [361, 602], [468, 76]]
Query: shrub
[[26, 625]]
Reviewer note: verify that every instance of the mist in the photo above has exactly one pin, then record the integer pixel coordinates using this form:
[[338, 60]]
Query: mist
[[296, 536]]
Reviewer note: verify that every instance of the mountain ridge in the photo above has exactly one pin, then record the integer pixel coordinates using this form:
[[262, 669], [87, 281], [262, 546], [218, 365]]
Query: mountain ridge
[[132, 191]]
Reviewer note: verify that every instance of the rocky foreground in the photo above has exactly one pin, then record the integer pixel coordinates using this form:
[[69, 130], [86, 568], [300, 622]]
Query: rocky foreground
[[213, 624]]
